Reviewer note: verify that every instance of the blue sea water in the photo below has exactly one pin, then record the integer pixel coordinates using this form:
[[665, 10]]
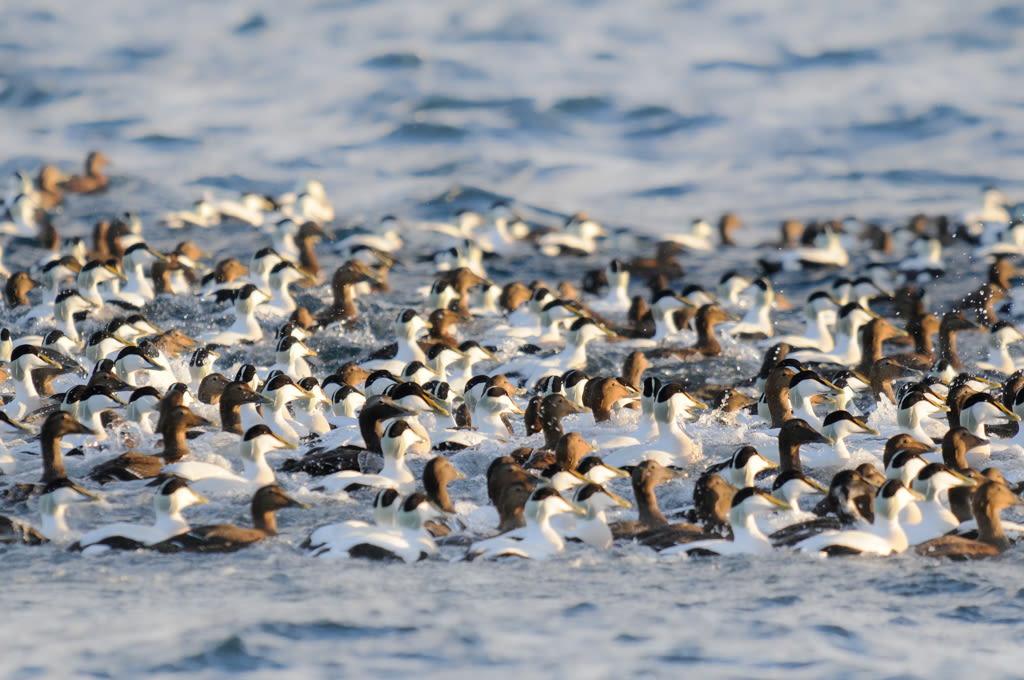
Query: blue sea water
[[644, 114]]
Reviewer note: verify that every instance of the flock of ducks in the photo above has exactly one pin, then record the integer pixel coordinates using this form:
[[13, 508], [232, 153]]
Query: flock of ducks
[[571, 404]]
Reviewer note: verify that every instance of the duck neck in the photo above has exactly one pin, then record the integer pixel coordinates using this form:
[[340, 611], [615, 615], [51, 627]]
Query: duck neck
[[54, 524], [947, 349], [542, 531], [707, 342], [749, 535], [171, 523], [175, 444], [265, 521], [789, 456], [647, 506], [53, 460], [553, 431], [990, 529], [257, 470]]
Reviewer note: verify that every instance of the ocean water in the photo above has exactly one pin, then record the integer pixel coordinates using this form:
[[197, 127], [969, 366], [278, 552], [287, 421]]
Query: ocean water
[[643, 114]]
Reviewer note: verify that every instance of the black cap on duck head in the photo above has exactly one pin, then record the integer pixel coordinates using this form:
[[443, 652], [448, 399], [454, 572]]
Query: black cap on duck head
[[246, 373], [438, 388], [651, 386], [277, 382], [413, 501], [573, 377], [142, 392], [668, 391], [742, 456], [837, 416]]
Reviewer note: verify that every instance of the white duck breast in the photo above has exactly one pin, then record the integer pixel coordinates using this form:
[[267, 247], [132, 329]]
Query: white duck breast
[[24, 360], [804, 388], [591, 528], [744, 466], [397, 440], [819, 311], [200, 364], [245, 328], [256, 472], [837, 426], [68, 304], [172, 497], [282, 275], [538, 539], [250, 208], [91, 276], [847, 350], [138, 290], [886, 534], [1000, 335], [408, 325], [983, 409], [747, 537], [911, 414], [290, 355], [142, 408], [53, 506], [673, 447], [792, 485], [408, 541], [281, 390], [757, 320], [309, 410], [935, 518]]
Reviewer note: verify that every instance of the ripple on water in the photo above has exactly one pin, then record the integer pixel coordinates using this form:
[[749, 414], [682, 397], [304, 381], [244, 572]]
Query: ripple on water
[[230, 654], [394, 60], [330, 630]]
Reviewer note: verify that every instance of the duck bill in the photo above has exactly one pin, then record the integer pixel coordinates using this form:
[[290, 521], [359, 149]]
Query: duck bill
[[85, 492], [619, 500], [297, 504], [285, 444], [864, 426]]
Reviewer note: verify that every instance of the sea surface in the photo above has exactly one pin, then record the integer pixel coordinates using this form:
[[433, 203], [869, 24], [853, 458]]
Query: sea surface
[[644, 114]]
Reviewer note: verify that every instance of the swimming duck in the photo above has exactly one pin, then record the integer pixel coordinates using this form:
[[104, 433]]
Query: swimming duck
[[592, 527], [885, 536], [673, 446], [256, 472], [93, 180], [645, 477], [936, 518], [173, 496], [324, 461], [837, 426], [245, 329], [707, 345], [747, 537], [988, 500], [757, 322], [847, 350], [53, 505], [981, 409], [790, 486], [537, 540], [1000, 335], [804, 387], [819, 309], [133, 465], [396, 441], [229, 538], [408, 541]]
